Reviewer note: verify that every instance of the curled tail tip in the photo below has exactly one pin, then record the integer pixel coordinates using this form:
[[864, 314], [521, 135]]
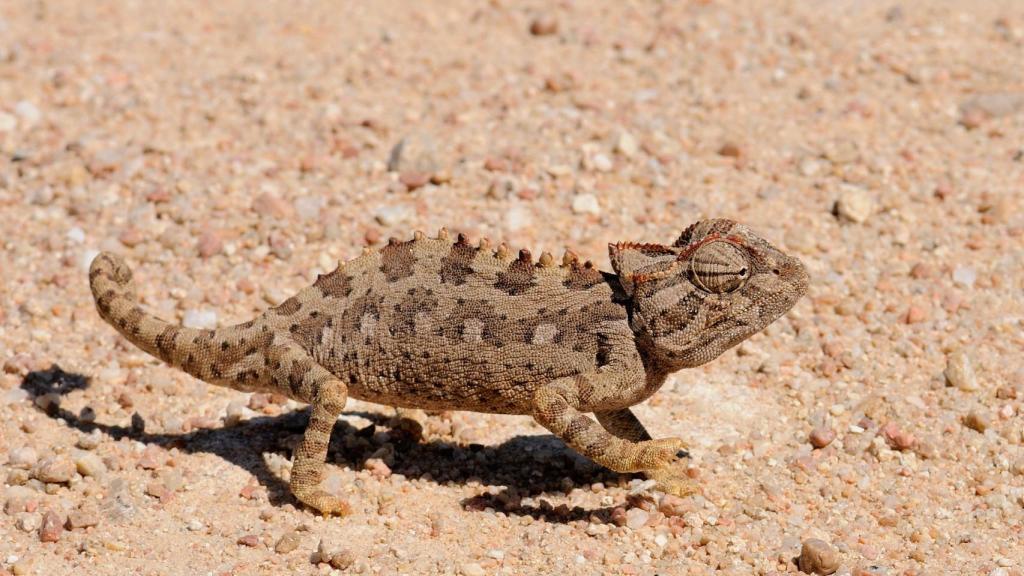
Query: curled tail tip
[[109, 266]]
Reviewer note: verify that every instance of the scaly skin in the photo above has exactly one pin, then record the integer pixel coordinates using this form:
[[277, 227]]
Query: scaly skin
[[428, 323]]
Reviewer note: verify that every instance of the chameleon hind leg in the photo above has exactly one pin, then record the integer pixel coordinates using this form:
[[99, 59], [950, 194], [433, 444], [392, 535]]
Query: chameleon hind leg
[[624, 424]]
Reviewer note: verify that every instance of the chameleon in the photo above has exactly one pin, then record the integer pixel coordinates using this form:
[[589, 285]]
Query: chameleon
[[437, 323]]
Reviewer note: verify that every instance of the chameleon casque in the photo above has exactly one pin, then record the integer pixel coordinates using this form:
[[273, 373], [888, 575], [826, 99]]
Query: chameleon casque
[[436, 324]]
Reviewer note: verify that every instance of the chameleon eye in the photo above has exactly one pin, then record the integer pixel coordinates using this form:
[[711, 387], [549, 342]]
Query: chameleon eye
[[719, 267]]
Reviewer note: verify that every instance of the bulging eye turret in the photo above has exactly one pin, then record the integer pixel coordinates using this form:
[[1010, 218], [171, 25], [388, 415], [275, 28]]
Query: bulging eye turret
[[719, 267]]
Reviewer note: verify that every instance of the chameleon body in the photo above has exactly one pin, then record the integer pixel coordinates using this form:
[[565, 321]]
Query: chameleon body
[[440, 323]]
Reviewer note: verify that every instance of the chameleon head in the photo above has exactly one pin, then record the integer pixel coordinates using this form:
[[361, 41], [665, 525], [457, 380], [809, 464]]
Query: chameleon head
[[718, 284]]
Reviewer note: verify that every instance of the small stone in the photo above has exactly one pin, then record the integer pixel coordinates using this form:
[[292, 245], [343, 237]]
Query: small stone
[[916, 314], [131, 237], [922, 271], [309, 207], [89, 464], [23, 457], [200, 318], [586, 204], [20, 499], [602, 163], [981, 107], [89, 441], [898, 438], [473, 569], [51, 528], [977, 421], [414, 153], [636, 518], [394, 214], [730, 150], [625, 144], [289, 542], [210, 244], [965, 276], [194, 525], [544, 25], [377, 468], [817, 557], [822, 436], [854, 205], [54, 469], [271, 206], [250, 540], [413, 179], [959, 371], [671, 505], [28, 112], [152, 457], [80, 519], [29, 521], [338, 559]]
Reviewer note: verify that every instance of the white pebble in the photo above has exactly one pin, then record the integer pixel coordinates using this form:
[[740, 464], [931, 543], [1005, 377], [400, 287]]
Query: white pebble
[[7, 122], [28, 112], [586, 204], [661, 540], [473, 569], [308, 207], [393, 215], [200, 318], [964, 276], [518, 217], [76, 235], [194, 525], [626, 145], [854, 205], [636, 518], [602, 163]]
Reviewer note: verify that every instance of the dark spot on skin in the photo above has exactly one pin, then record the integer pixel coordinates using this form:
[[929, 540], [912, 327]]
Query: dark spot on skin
[[288, 307], [337, 284], [582, 277], [457, 265], [396, 261], [517, 279]]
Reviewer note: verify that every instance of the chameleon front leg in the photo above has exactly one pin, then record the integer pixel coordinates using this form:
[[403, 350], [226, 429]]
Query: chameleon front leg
[[624, 424], [556, 406], [297, 374]]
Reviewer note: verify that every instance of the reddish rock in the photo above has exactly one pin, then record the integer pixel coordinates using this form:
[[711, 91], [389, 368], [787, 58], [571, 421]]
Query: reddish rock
[[52, 527]]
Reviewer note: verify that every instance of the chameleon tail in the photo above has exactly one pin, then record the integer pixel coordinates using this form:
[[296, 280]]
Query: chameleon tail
[[215, 356]]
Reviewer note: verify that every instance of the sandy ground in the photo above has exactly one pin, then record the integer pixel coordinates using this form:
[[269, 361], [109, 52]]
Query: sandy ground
[[232, 150]]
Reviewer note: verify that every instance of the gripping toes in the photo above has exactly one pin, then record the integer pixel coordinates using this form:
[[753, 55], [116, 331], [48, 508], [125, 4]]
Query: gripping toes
[[663, 453]]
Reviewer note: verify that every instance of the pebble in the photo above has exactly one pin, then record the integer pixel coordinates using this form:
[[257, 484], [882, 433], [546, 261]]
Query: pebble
[[29, 521], [377, 468], [271, 206], [20, 499], [981, 107], [89, 464], [544, 25], [730, 150], [28, 112], [394, 214], [52, 527], [586, 204], [671, 505], [413, 179], [288, 542], [817, 557], [822, 436], [210, 244], [54, 469], [602, 163], [194, 525], [964, 276], [959, 371], [854, 205], [250, 540], [23, 457], [977, 421], [414, 153], [625, 144], [89, 441], [473, 569], [636, 518], [898, 438], [82, 519], [309, 207], [202, 318]]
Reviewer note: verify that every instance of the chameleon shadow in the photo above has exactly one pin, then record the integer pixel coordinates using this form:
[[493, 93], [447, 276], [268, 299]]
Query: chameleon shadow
[[523, 468]]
